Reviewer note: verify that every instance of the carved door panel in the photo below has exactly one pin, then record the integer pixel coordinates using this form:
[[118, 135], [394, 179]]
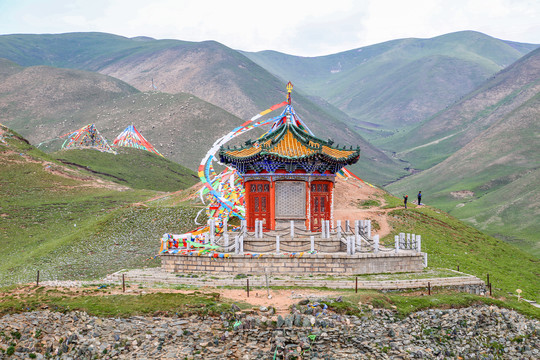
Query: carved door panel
[[258, 204], [320, 205]]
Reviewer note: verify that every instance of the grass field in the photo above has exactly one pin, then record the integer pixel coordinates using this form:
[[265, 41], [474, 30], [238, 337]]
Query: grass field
[[68, 228]]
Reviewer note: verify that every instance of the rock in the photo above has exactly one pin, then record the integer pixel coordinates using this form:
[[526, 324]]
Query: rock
[[289, 321], [328, 335], [297, 321], [303, 302], [280, 321], [235, 308]]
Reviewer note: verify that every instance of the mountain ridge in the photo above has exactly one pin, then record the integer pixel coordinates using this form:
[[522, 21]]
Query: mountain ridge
[[358, 81]]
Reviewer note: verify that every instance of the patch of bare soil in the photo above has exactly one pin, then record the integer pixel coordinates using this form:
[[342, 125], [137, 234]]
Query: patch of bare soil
[[462, 194], [348, 194]]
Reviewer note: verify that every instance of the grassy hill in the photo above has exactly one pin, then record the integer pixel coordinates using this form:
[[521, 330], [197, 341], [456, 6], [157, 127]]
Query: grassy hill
[[69, 224], [492, 181], [450, 243], [43, 102], [398, 83], [131, 167]]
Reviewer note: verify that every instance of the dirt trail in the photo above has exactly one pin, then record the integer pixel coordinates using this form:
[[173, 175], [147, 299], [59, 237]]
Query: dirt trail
[[348, 196]]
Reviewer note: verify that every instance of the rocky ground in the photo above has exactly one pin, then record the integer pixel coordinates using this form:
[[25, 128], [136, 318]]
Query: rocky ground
[[309, 332]]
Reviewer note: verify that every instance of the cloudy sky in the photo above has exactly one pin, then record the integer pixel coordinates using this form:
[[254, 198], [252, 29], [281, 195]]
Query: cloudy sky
[[299, 27]]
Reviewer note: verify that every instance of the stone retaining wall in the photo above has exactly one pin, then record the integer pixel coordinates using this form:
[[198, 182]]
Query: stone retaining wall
[[317, 264]]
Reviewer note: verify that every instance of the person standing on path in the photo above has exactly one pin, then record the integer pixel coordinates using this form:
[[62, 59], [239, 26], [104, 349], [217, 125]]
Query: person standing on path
[[405, 198], [420, 198]]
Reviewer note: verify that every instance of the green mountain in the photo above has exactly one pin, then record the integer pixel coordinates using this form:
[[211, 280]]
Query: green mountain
[[131, 167], [440, 136], [394, 85], [489, 144], [180, 125]]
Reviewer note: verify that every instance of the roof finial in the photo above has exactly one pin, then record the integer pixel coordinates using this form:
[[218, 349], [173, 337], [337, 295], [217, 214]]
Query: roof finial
[[289, 90]]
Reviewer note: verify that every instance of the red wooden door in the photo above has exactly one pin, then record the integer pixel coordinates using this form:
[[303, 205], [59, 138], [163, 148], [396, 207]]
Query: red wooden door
[[258, 204], [320, 204]]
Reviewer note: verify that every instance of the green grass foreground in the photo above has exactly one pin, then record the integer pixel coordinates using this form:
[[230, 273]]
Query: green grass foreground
[[99, 302], [405, 304]]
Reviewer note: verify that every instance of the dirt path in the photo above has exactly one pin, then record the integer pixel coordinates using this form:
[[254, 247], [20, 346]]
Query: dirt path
[[348, 196]]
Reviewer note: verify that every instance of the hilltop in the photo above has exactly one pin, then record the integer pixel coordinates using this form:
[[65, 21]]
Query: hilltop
[[131, 167], [396, 84], [489, 144]]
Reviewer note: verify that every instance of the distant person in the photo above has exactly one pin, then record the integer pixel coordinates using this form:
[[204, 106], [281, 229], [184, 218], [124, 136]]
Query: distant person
[[405, 198], [420, 198]]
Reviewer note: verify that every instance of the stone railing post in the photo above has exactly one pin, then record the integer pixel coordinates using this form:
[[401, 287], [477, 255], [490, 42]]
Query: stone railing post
[[226, 241], [212, 231], [338, 228], [312, 240], [277, 244], [292, 229], [224, 225], [376, 243], [348, 245], [237, 244], [165, 242], [396, 238], [418, 243], [256, 228], [241, 244], [328, 229], [353, 246], [368, 235], [323, 232], [347, 226]]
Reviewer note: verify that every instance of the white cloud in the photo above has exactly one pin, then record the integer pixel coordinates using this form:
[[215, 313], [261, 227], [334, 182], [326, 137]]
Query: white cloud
[[300, 27]]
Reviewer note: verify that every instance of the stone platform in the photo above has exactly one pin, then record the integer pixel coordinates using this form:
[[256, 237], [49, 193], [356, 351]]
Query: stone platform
[[316, 264], [342, 252]]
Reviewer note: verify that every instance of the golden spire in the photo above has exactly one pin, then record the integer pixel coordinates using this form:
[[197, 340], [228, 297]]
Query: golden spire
[[289, 90]]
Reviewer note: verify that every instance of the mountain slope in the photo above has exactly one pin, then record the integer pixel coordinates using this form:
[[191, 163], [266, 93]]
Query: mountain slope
[[401, 82], [493, 181], [181, 126], [453, 128]]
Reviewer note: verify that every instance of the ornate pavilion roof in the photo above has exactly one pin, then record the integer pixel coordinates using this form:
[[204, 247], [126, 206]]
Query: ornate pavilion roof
[[289, 143]]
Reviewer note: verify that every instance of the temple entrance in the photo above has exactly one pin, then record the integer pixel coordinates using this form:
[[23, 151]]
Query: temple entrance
[[290, 203], [320, 204], [258, 204]]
